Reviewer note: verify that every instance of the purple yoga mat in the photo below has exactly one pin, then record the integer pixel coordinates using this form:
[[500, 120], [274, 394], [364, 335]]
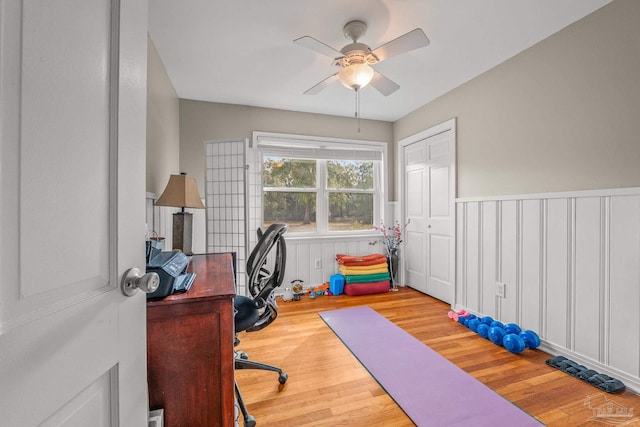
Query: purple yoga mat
[[431, 390]]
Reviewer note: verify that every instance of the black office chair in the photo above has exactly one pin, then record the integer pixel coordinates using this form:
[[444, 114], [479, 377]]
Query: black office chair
[[266, 272]]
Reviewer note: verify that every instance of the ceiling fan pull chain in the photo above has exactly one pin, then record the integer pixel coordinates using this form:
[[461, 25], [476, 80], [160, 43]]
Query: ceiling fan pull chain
[[358, 108]]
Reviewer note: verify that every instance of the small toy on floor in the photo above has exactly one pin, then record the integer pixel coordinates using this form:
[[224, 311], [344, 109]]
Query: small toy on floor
[[601, 381], [318, 290]]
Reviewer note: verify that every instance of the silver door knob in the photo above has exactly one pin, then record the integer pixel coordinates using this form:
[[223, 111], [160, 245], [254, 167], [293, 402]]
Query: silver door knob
[[133, 279]]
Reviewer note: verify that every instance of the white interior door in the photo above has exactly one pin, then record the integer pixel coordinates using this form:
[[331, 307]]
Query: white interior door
[[429, 202], [72, 160], [416, 209]]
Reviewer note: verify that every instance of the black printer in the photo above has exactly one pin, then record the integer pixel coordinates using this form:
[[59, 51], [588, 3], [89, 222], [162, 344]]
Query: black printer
[[171, 267]]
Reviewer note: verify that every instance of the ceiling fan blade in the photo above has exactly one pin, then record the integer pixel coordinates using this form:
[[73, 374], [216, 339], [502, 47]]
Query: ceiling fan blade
[[409, 41], [326, 82], [383, 84], [318, 46]]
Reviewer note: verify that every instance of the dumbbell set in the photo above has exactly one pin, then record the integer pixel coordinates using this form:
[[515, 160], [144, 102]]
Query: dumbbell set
[[509, 335]]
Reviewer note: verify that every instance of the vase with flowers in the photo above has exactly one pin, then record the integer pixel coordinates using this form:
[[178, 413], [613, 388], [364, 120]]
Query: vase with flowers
[[391, 239]]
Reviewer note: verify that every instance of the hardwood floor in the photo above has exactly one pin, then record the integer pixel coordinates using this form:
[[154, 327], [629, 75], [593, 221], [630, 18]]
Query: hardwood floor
[[327, 386]]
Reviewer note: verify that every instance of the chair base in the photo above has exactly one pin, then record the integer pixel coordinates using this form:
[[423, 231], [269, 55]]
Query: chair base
[[250, 364], [249, 421], [242, 363]]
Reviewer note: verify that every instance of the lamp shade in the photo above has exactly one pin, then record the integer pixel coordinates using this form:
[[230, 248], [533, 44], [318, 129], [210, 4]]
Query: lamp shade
[[356, 76], [182, 192]]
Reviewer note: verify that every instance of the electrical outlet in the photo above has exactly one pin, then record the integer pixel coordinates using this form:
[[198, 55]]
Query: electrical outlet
[[501, 289], [318, 263]]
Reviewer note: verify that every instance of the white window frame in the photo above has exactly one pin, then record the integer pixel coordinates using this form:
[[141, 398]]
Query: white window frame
[[276, 144]]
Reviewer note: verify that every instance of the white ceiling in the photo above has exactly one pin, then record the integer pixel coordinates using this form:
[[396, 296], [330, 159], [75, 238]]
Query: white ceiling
[[242, 51]]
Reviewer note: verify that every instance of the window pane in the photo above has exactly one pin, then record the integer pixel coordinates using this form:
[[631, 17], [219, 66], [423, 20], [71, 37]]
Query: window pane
[[350, 211], [349, 174], [296, 209], [294, 173]]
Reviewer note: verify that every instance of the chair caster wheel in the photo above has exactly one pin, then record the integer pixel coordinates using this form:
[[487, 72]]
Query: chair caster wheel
[[250, 421], [283, 378]]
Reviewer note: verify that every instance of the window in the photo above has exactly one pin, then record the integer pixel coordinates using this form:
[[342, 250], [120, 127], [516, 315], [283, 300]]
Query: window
[[290, 193], [321, 190], [350, 192]]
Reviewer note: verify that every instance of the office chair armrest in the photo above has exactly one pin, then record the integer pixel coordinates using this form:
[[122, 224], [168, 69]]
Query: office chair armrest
[[268, 315]]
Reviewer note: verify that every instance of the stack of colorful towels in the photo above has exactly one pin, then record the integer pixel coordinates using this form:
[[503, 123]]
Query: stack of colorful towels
[[364, 275]]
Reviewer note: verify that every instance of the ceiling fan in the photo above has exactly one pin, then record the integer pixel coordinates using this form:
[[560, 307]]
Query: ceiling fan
[[355, 59]]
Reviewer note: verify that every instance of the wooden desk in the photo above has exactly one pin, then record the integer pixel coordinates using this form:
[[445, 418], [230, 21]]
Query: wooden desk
[[190, 348]]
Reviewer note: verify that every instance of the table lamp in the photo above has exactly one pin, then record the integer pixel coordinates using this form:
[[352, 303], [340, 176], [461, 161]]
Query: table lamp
[[181, 192]]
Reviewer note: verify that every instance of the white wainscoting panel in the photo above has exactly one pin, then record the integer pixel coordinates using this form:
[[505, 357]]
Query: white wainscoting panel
[[624, 285], [587, 316], [530, 244], [556, 303], [488, 256], [508, 261], [571, 265]]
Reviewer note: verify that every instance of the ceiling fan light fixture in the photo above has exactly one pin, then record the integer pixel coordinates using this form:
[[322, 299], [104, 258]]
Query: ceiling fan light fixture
[[356, 76]]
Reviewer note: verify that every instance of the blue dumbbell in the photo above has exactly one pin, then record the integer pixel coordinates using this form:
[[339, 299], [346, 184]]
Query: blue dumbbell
[[513, 343], [483, 330], [496, 335], [487, 320], [530, 338], [473, 324], [512, 328], [497, 323]]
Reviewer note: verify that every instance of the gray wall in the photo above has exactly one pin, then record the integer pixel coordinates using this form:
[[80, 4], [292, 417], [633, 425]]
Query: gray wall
[[205, 121], [163, 128], [562, 115]]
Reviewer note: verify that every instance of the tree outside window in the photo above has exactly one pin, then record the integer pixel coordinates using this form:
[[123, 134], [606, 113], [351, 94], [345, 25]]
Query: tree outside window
[[290, 193], [350, 189], [314, 196]]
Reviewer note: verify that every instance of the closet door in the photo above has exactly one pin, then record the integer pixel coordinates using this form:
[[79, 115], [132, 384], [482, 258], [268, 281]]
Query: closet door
[[429, 203]]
